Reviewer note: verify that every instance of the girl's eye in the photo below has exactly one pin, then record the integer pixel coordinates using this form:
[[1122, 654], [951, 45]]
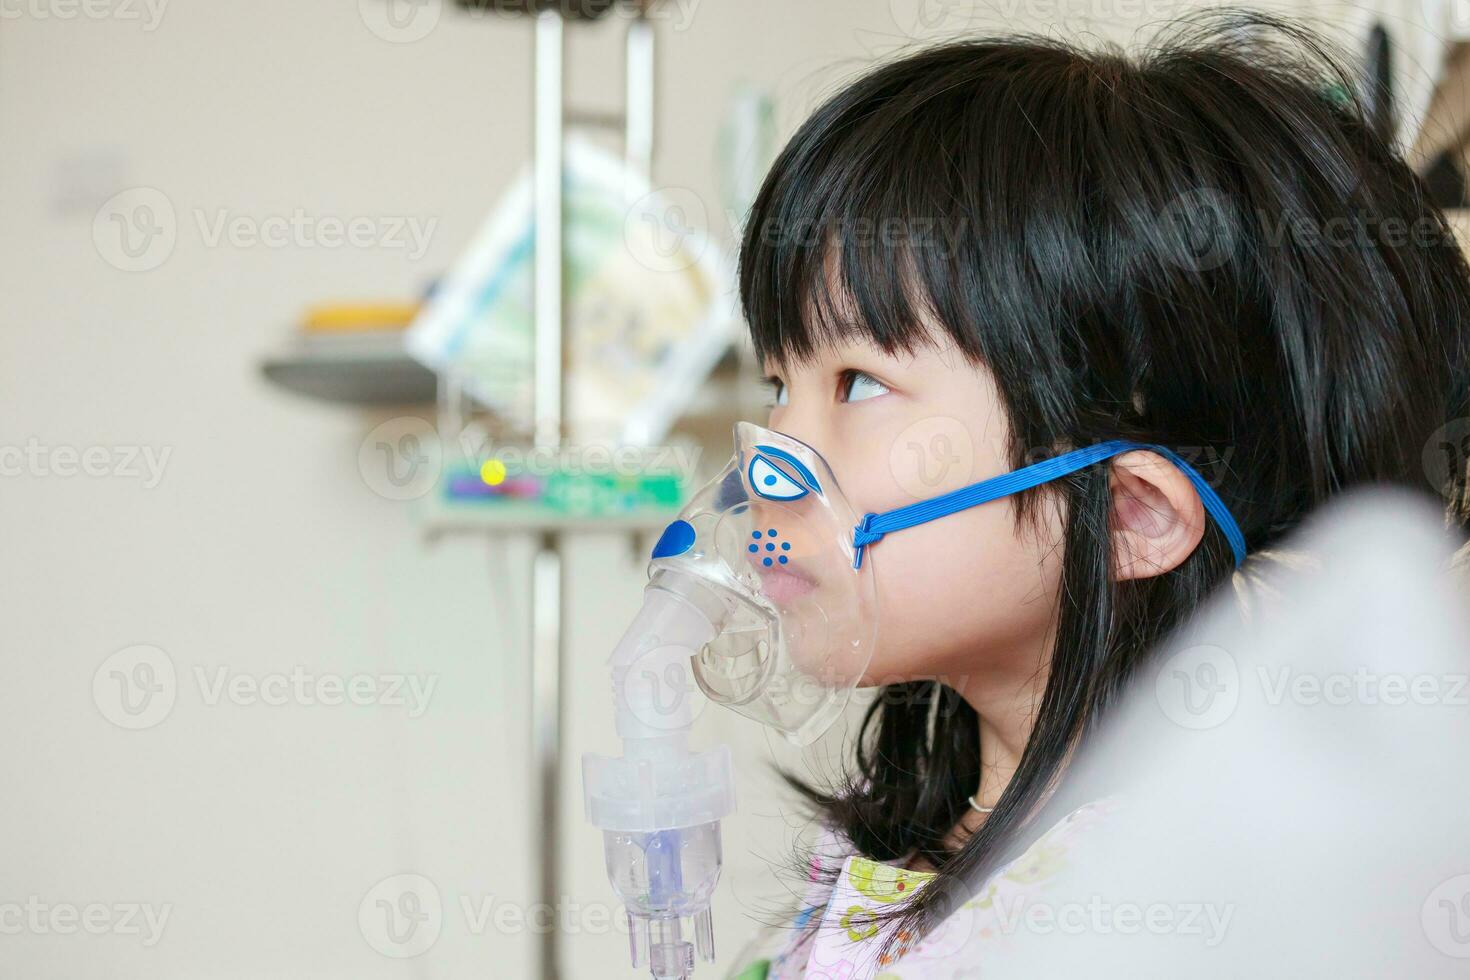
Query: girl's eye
[[857, 386], [778, 390]]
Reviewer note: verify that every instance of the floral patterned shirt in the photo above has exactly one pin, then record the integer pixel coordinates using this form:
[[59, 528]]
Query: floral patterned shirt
[[837, 935]]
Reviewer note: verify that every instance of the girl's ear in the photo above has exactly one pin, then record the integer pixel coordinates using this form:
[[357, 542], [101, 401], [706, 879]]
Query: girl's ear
[[1157, 517]]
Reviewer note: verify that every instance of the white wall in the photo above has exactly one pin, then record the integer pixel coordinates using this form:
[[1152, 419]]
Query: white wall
[[261, 828]]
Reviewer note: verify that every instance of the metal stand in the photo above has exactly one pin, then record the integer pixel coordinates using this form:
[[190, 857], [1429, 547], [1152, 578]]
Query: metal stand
[[548, 575]]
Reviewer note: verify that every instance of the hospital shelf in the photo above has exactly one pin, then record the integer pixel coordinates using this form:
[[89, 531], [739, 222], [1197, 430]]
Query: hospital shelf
[[354, 369], [441, 517]]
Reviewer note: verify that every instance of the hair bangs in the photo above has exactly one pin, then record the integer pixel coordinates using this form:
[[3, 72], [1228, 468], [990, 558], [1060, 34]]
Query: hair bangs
[[839, 244]]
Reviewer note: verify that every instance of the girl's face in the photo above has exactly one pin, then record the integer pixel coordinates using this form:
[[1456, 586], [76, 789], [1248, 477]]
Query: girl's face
[[970, 598]]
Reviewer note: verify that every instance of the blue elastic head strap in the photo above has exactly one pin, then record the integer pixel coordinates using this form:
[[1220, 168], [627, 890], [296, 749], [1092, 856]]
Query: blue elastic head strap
[[874, 526]]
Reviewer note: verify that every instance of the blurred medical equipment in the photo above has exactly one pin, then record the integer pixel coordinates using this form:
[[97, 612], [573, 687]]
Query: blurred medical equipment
[[1289, 772], [353, 352], [649, 315], [590, 296], [580, 10]]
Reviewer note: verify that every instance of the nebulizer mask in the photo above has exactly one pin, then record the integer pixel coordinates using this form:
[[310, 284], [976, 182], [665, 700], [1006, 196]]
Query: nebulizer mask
[[760, 597]]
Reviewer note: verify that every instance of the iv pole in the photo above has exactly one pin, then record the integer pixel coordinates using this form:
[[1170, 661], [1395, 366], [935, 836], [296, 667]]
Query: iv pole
[[548, 578]]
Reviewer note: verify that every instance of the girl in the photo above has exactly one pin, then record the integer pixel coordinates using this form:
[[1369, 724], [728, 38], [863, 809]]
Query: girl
[[994, 251]]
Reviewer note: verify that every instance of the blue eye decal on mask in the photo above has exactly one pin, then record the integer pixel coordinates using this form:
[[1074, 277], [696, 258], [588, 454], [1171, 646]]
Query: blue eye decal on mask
[[770, 481]]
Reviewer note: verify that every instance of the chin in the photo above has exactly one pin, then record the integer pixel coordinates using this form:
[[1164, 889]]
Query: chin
[[885, 671]]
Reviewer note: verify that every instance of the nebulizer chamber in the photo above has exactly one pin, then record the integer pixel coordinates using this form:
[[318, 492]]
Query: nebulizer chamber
[[754, 602], [659, 805]]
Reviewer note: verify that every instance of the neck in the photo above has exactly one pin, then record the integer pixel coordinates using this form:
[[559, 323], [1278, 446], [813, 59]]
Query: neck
[[1005, 727], [1006, 720], [1006, 703]]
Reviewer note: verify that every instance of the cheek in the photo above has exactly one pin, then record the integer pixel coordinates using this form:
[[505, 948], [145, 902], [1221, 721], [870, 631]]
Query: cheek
[[966, 594]]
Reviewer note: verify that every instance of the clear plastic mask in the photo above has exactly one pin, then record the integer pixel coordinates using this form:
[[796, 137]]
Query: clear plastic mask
[[767, 550]]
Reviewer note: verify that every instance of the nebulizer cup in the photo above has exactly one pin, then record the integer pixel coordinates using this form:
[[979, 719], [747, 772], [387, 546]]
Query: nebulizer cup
[[755, 600], [659, 805]]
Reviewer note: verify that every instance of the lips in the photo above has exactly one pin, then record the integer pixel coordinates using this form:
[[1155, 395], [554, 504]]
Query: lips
[[783, 585]]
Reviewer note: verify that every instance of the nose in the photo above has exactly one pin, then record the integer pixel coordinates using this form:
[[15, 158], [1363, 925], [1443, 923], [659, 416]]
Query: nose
[[787, 527], [803, 427]]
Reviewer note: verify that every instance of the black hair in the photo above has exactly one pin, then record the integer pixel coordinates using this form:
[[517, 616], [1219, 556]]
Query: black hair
[[1201, 245]]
